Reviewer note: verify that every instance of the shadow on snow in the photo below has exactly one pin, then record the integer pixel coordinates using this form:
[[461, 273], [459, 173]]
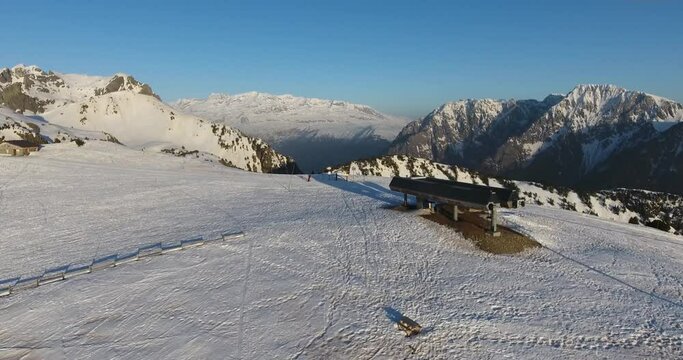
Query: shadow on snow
[[365, 188]]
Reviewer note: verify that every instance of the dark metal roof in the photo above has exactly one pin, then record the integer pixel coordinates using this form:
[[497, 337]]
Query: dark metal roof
[[504, 195], [22, 143], [454, 192]]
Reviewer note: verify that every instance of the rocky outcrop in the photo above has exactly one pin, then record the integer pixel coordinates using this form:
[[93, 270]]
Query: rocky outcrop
[[5, 76], [126, 82], [13, 97]]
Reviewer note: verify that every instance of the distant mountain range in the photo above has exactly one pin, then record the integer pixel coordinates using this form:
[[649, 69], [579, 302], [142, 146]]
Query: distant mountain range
[[315, 132], [54, 107], [595, 137]]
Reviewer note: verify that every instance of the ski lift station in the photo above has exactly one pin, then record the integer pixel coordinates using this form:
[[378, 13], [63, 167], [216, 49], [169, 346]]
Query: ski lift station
[[456, 194]]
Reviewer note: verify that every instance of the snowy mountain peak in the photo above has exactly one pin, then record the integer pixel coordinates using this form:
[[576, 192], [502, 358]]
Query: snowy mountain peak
[[598, 87], [125, 82], [458, 130], [592, 105], [29, 88], [21, 69], [588, 92], [563, 140], [214, 97], [463, 118], [483, 108], [595, 93]]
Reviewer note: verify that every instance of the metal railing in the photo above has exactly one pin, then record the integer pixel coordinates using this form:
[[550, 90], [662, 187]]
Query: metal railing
[[10, 286]]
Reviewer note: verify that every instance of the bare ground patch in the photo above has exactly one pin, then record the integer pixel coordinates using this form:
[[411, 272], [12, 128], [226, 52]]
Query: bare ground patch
[[474, 227]]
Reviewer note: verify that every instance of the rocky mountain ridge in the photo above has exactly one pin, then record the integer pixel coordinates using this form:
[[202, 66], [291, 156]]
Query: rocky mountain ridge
[[122, 108], [33, 90], [562, 140]]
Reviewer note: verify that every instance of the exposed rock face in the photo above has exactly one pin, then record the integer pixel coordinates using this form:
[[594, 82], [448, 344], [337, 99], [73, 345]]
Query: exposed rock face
[[656, 163], [594, 126], [126, 82], [468, 132], [442, 134], [5, 76], [563, 140], [13, 97]]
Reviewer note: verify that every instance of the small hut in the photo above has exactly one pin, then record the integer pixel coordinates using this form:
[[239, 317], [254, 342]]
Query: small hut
[[18, 147]]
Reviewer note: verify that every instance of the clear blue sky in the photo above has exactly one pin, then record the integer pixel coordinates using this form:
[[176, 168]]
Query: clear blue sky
[[402, 57]]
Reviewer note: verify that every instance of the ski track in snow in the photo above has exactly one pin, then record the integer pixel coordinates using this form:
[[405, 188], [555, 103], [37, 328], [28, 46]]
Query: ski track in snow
[[320, 262]]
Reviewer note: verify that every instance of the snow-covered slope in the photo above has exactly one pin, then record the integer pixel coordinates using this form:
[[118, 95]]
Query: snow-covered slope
[[316, 132], [143, 122], [15, 126], [129, 111], [562, 140], [624, 205], [297, 287]]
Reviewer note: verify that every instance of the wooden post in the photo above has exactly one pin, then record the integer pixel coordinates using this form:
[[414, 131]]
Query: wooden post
[[455, 212], [405, 200], [420, 202]]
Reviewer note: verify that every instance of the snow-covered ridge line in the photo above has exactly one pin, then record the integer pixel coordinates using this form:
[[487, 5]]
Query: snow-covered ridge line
[[315, 132], [227, 98], [654, 209], [31, 90], [268, 116], [10, 286]]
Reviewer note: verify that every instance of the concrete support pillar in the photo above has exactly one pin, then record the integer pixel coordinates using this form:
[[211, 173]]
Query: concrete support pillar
[[455, 212], [494, 221]]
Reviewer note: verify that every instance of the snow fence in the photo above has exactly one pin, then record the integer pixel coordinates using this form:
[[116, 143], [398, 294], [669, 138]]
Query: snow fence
[[12, 285]]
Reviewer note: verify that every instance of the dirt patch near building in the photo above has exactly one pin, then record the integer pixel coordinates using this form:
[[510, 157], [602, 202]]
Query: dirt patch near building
[[474, 228]]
